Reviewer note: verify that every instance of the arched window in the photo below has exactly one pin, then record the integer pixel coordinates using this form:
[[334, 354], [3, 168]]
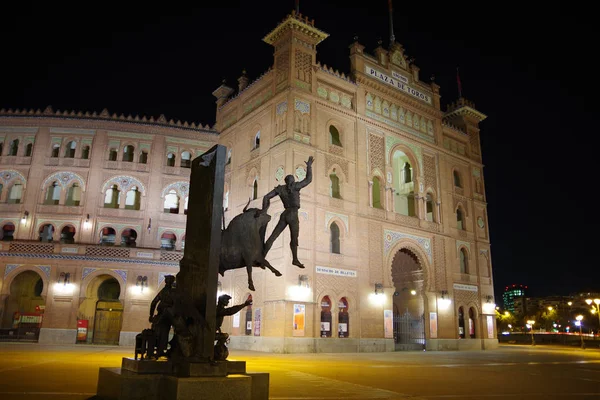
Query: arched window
[[255, 190], [461, 323], [128, 152], [464, 262], [457, 180], [228, 157], [7, 232], [132, 199], [70, 149], [185, 205], [256, 144], [112, 155], [186, 159], [73, 195], [376, 193], [85, 153], [55, 150], [46, 233], [334, 186], [171, 204], [67, 234], [343, 319], [407, 173], [143, 157], [28, 149], [334, 231], [107, 236], [53, 194], [430, 214], [167, 241], [334, 136], [248, 330], [170, 160], [112, 197], [472, 333], [460, 219], [326, 319], [128, 237], [13, 149], [15, 193]]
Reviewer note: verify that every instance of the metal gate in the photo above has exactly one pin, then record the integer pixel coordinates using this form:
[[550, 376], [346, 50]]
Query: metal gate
[[409, 332], [107, 326]]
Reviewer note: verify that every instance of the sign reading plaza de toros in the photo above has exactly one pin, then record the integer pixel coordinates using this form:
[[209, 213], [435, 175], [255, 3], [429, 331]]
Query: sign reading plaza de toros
[[399, 82]]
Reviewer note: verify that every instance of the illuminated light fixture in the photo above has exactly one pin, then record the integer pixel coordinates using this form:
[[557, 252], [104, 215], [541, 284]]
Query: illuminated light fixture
[[64, 278], [141, 282], [24, 217], [64, 285], [570, 303], [379, 288], [413, 292], [444, 301], [219, 289], [303, 281], [87, 222], [550, 308]]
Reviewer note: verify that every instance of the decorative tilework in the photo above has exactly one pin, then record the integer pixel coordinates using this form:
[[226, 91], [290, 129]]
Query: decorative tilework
[[122, 273], [10, 268], [64, 179], [182, 188], [124, 182], [88, 258], [330, 215], [390, 238], [45, 269], [130, 135], [279, 174], [302, 106], [9, 175], [86, 272], [460, 243], [300, 173], [281, 108]]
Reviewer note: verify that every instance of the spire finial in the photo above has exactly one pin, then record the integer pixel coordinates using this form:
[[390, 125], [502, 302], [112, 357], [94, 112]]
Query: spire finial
[[392, 37]]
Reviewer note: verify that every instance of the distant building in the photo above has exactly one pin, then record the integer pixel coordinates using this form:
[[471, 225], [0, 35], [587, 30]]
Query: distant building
[[514, 299]]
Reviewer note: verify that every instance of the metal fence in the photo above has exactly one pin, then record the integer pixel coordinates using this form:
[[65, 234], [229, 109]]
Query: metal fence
[[409, 331]]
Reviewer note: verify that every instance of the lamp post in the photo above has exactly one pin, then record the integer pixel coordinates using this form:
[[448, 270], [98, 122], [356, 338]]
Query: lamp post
[[531, 323], [579, 318], [595, 306]]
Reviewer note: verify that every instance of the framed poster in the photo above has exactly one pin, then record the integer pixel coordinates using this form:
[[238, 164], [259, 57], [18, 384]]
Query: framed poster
[[433, 327], [388, 324], [490, 326], [257, 322], [299, 320], [236, 320], [82, 330]]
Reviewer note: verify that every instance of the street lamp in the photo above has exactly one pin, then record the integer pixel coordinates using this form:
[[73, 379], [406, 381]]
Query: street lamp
[[530, 323], [595, 306], [579, 318]]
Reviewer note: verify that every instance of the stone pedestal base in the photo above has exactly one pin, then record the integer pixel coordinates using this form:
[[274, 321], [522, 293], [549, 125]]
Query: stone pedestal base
[[163, 380]]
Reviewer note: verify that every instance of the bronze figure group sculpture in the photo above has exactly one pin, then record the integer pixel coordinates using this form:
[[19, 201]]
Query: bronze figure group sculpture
[[242, 245]]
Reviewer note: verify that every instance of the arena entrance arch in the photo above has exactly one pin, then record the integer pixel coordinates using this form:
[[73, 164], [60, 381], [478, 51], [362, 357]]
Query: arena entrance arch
[[102, 310], [24, 308], [409, 302]]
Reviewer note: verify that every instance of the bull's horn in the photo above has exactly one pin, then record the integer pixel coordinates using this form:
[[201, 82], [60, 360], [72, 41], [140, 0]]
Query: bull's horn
[[247, 204]]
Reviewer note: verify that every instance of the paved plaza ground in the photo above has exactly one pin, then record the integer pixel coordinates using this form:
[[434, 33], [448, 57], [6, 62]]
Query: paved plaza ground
[[32, 371]]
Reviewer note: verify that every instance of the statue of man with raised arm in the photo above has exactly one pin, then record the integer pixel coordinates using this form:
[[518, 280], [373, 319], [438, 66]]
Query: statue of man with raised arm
[[290, 197]]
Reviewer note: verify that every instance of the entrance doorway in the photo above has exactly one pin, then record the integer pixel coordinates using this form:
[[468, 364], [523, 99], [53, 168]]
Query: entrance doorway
[[23, 308], [409, 302], [100, 315]]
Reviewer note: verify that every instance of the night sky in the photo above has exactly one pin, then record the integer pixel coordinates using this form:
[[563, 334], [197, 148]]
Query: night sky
[[528, 67]]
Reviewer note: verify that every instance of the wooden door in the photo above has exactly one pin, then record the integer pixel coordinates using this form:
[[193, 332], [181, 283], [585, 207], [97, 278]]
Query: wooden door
[[107, 326]]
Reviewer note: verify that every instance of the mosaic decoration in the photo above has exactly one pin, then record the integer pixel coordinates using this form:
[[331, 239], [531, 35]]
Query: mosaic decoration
[[302, 106], [279, 174], [130, 135], [124, 183], [330, 215], [390, 238], [45, 269], [9, 175], [64, 179], [480, 222], [122, 273], [182, 188], [10, 268], [73, 131], [86, 272], [281, 108], [89, 258], [300, 173], [476, 172], [11, 129], [460, 243], [193, 142]]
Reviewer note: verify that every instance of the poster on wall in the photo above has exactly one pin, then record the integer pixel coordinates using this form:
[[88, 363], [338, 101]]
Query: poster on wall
[[299, 318], [82, 328], [490, 326], [388, 324], [257, 322], [236, 320], [433, 326]]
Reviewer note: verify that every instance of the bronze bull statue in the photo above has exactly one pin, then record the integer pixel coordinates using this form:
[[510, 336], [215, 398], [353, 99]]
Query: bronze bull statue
[[243, 243]]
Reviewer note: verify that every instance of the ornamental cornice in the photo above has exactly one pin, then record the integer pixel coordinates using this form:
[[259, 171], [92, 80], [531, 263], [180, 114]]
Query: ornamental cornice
[[466, 111], [293, 22], [398, 95]]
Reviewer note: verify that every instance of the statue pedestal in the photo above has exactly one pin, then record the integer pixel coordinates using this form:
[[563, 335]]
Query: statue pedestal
[[166, 380]]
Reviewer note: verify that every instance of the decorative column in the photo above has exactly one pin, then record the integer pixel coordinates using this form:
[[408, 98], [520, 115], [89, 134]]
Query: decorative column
[[370, 193], [438, 210], [393, 202]]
